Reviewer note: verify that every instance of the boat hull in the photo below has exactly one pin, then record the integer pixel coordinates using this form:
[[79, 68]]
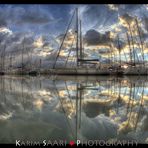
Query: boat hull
[[78, 72]]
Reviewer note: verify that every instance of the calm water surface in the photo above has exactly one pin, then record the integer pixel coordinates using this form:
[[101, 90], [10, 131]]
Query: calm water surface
[[70, 108]]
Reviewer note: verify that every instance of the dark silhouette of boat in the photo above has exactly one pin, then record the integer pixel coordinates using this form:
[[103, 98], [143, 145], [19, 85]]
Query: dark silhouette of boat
[[2, 73], [33, 73]]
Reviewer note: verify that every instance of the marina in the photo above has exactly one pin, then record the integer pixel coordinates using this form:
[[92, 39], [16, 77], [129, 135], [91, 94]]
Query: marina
[[76, 63], [73, 74]]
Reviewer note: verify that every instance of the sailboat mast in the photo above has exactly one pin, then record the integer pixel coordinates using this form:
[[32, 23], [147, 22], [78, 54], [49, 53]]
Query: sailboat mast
[[10, 66], [1, 60], [4, 58], [129, 47], [119, 49], [77, 42], [111, 57], [81, 52], [132, 41], [125, 56], [23, 55], [60, 48], [142, 50], [40, 65], [77, 97]]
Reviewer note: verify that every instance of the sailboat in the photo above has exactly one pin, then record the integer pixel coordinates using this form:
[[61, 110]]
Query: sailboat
[[82, 66]]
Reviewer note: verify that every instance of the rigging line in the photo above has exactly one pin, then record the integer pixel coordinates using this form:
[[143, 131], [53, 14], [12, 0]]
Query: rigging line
[[125, 91], [132, 43], [137, 55], [70, 51], [111, 58], [131, 35], [81, 50], [129, 44], [23, 55], [125, 55], [63, 108], [63, 40], [111, 88], [77, 43], [137, 90], [131, 109], [72, 60], [141, 42], [81, 94], [22, 93], [140, 49], [77, 97], [130, 95], [119, 49], [134, 51], [115, 57], [4, 90], [68, 94], [3, 57], [141, 105], [119, 96], [140, 37]]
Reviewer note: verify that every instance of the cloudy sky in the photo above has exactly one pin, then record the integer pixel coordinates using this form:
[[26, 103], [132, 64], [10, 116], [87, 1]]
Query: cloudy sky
[[40, 27]]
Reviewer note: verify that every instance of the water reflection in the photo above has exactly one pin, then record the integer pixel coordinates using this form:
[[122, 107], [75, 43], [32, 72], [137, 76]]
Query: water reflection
[[70, 108]]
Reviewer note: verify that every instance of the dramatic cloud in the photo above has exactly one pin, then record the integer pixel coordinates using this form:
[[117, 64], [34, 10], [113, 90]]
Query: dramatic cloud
[[146, 23], [92, 37], [98, 17], [2, 21], [34, 17], [44, 26], [19, 15]]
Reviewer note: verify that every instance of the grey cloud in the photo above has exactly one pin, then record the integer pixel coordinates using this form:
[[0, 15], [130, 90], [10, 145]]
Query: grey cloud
[[17, 15], [93, 37], [3, 22], [14, 42], [99, 127], [3, 36], [34, 18], [145, 21], [130, 8], [98, 16]]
